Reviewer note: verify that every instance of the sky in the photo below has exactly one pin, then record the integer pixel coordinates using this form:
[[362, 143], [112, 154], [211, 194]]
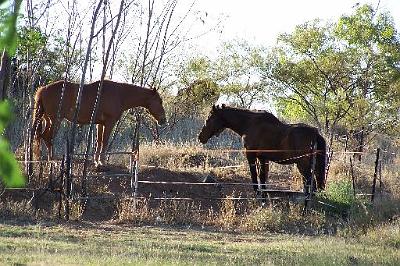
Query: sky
[[257, 21], [261, 21]]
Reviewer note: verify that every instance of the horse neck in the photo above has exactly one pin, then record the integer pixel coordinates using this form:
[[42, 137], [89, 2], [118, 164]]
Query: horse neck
[[134, 96], [236, 120]]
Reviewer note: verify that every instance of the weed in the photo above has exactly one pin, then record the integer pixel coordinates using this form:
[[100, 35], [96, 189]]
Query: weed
[[227, 215]]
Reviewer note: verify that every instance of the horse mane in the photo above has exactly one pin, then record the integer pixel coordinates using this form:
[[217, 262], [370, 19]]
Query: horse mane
[[257, 113]]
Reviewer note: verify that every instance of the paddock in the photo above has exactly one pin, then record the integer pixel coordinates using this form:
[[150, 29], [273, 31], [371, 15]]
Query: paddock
[[136, 183]]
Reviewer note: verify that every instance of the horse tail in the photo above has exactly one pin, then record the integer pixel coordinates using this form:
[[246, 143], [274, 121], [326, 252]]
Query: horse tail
[[38, 112], [320, 166]]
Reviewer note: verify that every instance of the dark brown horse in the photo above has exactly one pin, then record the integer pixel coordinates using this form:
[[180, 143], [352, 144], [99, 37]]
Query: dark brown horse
[[265, 139], [115, 99]]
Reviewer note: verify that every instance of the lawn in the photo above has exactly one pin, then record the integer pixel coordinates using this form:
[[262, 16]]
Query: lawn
[[105, 244]]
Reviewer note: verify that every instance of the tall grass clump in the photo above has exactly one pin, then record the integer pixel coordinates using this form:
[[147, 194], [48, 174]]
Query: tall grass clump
[[340, 193], [228, 217], [285, 218]]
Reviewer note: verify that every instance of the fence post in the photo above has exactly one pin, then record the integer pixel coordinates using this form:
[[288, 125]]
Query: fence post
[[353, 179], [61, 191], [309, 189], [67, 180], [380, 177], [135, 162], [375, 174], [346, 143]]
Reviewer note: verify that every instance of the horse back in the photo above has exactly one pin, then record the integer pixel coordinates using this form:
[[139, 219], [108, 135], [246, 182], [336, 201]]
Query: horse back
[[109, 104], [302, 135], [50, 96]]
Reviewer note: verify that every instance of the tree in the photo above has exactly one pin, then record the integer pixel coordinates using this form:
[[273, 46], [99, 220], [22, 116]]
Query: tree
[[8, 21], [340, 74], [197, 88], [46, 55], [234, 72], [10, 172], [374, 43]]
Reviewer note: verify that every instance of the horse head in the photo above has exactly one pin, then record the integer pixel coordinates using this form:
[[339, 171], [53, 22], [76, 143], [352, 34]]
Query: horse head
[[214, 125], [156, 108]]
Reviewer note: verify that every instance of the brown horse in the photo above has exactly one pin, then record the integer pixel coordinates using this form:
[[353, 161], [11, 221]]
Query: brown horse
[[115, 99], [265, 139]]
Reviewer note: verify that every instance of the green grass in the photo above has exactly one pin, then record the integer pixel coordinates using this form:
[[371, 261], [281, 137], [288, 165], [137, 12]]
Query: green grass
[[95, 244]]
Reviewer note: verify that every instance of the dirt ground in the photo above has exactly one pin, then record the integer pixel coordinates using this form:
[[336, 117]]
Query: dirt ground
[[104, 187]]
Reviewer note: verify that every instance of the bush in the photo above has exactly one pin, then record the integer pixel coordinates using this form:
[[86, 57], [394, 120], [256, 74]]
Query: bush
[[339, 197]]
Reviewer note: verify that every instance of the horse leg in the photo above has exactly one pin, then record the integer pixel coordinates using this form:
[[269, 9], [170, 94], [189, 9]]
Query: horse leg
[[106, 135], [305, 171], [251, 158], [99, 144], [36, 136], [264, 170], [47, 136]]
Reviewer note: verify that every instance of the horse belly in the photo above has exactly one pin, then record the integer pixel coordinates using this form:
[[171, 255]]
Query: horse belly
[[86, 110]]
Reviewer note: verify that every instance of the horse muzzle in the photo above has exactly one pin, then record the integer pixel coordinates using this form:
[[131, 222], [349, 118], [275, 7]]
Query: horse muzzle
[[162, 121], [203, 139]]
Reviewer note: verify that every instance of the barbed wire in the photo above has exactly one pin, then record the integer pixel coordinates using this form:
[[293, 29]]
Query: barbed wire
[[134, 153], [300, 194]]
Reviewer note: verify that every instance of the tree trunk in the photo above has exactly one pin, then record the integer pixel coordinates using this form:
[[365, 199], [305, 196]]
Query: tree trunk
[[4, 75], [359, 137], [361, 144]]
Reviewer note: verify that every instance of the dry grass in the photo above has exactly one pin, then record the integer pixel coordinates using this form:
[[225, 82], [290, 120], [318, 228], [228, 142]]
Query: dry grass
[[356, 215], [186, 156]]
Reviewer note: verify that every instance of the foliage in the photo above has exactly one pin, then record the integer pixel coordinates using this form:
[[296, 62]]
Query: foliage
[[290, 110], [10, 172], [238, 72], [341, 74], [233, 72], [341, 192], [197, 96], [340, 199], [8, 21], [47, 54]]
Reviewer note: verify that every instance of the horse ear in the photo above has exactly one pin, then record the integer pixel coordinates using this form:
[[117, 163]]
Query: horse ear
[[214, 107], [151, 86], [223, 106]]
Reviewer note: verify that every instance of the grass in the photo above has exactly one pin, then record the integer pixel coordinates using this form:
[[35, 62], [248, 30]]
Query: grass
[[102, 244], [191, 162], [227, 232]]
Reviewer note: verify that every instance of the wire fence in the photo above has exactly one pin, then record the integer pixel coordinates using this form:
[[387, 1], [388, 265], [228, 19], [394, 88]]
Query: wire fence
[[133, 193]]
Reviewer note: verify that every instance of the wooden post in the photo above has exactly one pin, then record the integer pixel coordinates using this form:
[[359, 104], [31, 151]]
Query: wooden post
[[67, 180], [352, 176], [309, 189], [361, 144], [346, 148], [313, 162], [61, 191], [4, 74], [135, 162], [51, 181], [380, 178], [328, 165], [375, 174]]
